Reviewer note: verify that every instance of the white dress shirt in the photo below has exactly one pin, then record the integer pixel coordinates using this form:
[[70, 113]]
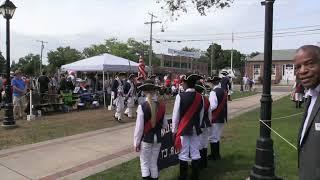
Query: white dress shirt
[[213, 99], [138, 132], [314, 93], [176, 112]]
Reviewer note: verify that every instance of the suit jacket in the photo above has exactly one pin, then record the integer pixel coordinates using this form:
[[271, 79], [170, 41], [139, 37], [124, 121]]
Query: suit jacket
[[309, 150]]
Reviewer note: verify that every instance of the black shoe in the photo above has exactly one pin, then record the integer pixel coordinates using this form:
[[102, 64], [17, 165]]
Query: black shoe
[[119, 120], [183, 170], [147, 178], [195, 169]]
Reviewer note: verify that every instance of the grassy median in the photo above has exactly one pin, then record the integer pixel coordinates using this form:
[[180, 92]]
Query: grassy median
[[238, 149]]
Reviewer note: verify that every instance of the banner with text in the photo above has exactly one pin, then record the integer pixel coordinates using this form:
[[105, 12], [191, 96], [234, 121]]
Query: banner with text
[[168, 156]]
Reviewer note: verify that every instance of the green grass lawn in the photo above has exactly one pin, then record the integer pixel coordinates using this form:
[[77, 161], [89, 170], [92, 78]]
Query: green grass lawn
[[238, 149], [239, 94]]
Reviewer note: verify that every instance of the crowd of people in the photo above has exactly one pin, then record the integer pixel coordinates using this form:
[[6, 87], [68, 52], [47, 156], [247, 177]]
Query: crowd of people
[[198, 117]]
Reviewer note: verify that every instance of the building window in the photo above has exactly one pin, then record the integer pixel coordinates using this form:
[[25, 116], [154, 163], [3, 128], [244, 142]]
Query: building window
[[167, 63], [273, 72], [256, 71], [184, 65], [176, 65]]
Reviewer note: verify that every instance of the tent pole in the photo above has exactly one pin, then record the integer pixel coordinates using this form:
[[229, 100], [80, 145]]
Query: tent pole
[[103, 89]]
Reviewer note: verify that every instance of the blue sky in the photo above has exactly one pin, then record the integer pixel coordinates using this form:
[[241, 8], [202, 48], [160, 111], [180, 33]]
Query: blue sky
[[80, 23]]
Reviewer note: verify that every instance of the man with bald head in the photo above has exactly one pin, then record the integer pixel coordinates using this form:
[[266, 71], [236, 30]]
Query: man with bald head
[[307, 63]]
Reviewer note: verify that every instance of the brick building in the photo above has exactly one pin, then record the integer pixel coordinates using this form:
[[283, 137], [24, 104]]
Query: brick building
[[177, 65], [282, 67]]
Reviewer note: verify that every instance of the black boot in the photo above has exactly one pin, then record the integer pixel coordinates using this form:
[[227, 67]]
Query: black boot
[[297, 104], [201, 165], [300, 103], [147, 178], [218, 157], [195, 169], [212, 150], [183, 170], [153, 178], [205, 159]]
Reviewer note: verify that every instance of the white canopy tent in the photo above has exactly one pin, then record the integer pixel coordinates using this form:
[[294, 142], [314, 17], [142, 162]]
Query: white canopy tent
[[103, 63]]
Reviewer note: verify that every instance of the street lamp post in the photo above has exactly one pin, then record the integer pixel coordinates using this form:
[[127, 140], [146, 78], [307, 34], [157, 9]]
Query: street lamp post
[[264, 162], [7, 9]]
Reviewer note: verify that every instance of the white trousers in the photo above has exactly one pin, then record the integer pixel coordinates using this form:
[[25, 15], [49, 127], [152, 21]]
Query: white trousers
[[190, 148], [216, 132], [120, 107], [130, 106], [204, 138], [149, 159]]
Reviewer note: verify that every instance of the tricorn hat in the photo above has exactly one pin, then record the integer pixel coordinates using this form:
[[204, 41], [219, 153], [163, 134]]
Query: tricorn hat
[[200, 87], [148, 85], [120, 73], [152, 76], [192, 78], [131, 76], [225, 73], [214, 79]]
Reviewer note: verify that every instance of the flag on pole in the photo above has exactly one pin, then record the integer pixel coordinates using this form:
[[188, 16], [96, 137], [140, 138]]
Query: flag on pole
[[141, 68]]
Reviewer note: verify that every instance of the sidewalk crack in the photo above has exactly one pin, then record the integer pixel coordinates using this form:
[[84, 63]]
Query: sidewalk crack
[[15, 171]]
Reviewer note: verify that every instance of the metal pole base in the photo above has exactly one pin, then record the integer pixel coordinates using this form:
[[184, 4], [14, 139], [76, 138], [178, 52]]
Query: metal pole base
[[8, 122], [264, 167], [255, 176]]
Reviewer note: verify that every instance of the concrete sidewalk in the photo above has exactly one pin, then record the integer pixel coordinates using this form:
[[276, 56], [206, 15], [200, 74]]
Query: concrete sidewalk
[[79, 156]]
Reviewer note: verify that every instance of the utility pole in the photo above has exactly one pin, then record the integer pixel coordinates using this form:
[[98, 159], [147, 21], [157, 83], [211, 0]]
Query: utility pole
[[232, 54], [42, 47], [150, 47], [212, 57]]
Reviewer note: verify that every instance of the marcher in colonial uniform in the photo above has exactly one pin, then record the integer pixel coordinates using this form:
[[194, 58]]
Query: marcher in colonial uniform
[[205, 125], [129, 91], [226, 83], [147, 135], [118, 94], [186, 119], [218, 107]]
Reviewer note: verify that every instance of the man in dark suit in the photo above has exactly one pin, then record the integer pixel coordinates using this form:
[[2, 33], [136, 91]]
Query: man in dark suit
[[307, 63]]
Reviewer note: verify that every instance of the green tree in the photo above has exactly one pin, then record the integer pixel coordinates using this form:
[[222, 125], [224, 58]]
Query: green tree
[[62, 56], [190, 49], [238, 59], [28, 64], [253, 54], [217, 57], [202, 6], [94, 50]]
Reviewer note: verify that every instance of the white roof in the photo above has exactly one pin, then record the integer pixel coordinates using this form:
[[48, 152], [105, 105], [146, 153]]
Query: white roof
[[105, 62]]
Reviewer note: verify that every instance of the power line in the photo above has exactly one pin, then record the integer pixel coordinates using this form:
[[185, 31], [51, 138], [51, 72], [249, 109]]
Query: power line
[[245, 32], [236, 38]]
